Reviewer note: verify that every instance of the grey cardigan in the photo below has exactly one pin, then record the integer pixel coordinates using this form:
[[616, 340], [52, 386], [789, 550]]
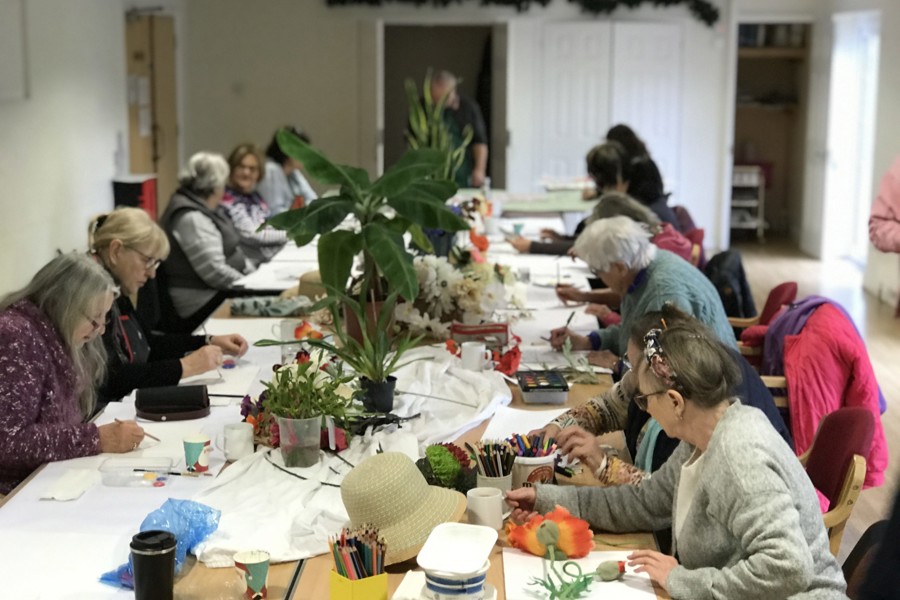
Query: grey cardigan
[[754, 530]]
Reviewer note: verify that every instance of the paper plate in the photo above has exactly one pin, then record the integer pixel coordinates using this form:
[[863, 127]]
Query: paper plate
[[457, 548]]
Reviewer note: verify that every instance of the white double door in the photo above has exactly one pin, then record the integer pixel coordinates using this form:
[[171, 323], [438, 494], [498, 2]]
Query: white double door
[[598, 74]]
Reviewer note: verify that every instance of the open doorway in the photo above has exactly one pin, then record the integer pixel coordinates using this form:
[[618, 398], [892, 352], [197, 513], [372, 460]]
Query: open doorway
[[465, 50], [851, 130]]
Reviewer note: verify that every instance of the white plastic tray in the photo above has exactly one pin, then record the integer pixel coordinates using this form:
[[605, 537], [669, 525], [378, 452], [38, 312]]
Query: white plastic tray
[[457, 548]]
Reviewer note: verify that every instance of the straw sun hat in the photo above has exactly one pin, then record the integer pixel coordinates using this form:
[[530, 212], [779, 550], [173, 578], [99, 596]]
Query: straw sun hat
[[388, 492]]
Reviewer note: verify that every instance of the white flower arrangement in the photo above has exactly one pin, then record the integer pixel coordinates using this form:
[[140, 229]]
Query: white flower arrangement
[[470, 294]]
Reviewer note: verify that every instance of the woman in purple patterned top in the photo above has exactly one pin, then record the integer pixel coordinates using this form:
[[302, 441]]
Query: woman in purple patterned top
[[51, 361], [246, 207]]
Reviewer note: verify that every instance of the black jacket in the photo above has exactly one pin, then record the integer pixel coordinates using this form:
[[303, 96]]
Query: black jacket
[[137, 356]]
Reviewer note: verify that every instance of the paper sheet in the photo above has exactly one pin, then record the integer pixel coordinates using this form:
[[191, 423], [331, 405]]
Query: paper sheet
[[508, 421], [519, 567]]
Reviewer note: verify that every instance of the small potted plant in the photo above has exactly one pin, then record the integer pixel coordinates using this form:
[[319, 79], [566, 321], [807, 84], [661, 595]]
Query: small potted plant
[[301, 396], [373, 357]]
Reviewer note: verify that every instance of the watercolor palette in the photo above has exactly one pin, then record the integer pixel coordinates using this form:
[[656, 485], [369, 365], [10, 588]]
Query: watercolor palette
[[543, 387]]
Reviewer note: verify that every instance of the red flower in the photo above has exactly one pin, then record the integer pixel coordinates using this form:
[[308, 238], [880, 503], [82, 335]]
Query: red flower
[[452, 347]]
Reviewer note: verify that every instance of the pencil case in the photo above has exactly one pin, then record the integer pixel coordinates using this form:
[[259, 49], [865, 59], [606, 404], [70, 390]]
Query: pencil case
[[172, 403]]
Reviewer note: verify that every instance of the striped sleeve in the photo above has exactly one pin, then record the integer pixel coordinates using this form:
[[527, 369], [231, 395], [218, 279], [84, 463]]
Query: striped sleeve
[[202, 244]]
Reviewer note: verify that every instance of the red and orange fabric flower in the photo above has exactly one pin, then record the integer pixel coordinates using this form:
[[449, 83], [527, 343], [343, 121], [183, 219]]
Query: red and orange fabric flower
[[575, 537]]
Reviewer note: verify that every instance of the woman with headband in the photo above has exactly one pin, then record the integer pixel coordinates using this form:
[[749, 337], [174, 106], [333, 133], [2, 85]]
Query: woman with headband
[[745, 517]]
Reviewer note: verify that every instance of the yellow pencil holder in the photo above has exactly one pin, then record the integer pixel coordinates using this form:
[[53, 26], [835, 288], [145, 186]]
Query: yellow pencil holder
[[369, 588]]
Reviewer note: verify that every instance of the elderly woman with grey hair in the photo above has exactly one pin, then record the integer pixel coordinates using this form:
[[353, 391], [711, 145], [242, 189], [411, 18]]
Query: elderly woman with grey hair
[[51, 360], [619, 251], [206, 257]]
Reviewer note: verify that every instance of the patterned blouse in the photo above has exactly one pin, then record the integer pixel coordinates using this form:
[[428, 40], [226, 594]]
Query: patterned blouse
[[603, 414], [247, 212], [40, 418]]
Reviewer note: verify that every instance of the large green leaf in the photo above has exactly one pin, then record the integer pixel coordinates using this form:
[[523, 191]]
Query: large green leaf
[[337, 250], [441, 189], [420, 239], [427, 213], [316, 164], [412, 166], [321, 216], [392, 259]]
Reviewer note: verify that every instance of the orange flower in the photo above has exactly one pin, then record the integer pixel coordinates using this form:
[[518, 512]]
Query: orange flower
[[305, 330], [479, 241], [452, 348], [575, 538]]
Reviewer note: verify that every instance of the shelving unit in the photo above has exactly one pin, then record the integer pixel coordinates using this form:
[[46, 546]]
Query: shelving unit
[[770, 116], [748, 199]]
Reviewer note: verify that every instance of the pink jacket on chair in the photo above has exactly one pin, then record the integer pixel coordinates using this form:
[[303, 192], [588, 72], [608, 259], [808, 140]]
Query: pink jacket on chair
[[884, 223], [827, 367]]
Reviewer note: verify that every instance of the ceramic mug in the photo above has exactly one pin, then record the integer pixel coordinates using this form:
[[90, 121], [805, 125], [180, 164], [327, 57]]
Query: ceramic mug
[[196, 452], [236, 441], [475, 356], [485, 507]]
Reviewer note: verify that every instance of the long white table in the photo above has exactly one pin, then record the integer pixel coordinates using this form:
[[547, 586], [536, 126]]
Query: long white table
[[75, 542]]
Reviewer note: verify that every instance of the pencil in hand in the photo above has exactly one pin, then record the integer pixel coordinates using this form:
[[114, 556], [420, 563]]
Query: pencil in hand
[[149, 435]]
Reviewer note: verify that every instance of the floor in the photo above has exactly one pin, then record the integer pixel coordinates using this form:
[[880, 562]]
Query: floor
[[768, 265]]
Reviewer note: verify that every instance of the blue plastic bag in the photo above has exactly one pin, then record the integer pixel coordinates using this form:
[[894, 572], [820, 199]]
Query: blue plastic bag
[[190, 522]]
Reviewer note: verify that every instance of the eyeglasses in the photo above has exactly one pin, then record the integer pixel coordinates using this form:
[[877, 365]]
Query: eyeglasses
[[150, 262], [95, 325], [641, 399]]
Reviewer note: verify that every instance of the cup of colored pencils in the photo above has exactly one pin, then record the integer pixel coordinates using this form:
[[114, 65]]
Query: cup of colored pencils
[[535, 459], [494, 462], [358, 553]]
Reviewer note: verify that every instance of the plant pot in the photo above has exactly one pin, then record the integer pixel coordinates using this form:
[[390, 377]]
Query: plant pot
[[378, 395], [299, 440], [441, 241], [372, 310]]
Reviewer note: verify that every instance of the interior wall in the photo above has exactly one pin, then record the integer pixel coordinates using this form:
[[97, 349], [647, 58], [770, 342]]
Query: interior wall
[[408, 52], [61, 146]]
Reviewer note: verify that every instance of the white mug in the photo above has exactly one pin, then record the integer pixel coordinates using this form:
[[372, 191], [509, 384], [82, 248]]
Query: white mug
[[475, 356], [284, 329], [485, 507], [236, 441]]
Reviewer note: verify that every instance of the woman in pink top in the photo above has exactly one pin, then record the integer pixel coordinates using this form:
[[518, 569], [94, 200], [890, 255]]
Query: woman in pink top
[[884, 223]]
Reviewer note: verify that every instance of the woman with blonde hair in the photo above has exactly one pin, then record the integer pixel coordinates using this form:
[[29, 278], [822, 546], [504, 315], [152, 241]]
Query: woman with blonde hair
[[51, 360], [130, 246]]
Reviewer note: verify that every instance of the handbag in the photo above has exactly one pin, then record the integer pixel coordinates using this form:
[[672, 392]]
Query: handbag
[[172, 403]]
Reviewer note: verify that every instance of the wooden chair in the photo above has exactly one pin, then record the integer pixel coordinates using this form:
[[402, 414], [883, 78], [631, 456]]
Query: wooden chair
[[857, 564], [781, 295], [836, 464]]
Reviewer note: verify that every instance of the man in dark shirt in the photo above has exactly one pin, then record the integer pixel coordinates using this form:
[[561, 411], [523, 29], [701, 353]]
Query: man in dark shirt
[[460, 111]]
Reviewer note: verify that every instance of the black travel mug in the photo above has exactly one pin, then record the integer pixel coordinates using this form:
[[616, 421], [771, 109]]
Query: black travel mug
[[153, 558]]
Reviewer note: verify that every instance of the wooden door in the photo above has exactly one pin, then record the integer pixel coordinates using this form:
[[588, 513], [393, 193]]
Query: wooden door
[[575, 107], [152, 125]]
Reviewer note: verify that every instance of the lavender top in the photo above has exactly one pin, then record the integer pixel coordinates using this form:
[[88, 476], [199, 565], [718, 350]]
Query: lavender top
[[40, 419]]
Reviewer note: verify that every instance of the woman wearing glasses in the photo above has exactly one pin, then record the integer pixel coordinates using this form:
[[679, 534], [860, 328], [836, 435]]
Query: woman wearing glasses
[[576, 430], [246, 207], [51, 360], [131, 246], [745, 518], [619, 251]]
